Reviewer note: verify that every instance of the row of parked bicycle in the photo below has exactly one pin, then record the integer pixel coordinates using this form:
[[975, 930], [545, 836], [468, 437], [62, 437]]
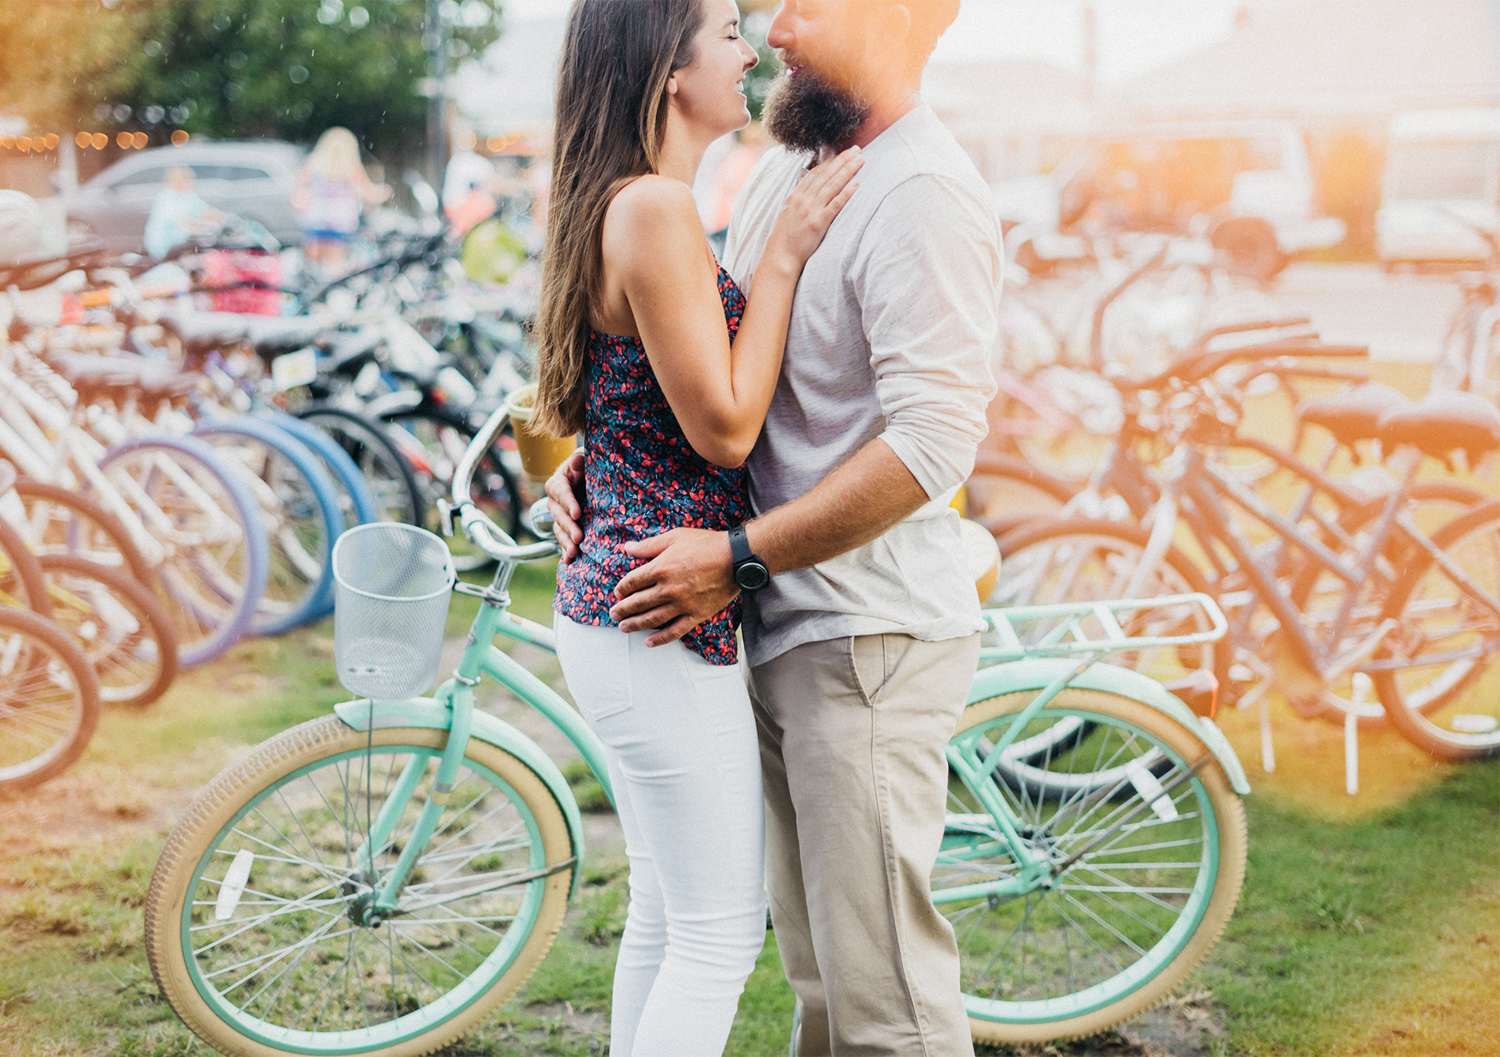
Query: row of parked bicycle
[[184, 474], [1349, 533]]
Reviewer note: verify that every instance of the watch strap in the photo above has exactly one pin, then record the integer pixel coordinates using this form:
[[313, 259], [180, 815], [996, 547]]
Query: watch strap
[[739, 545]]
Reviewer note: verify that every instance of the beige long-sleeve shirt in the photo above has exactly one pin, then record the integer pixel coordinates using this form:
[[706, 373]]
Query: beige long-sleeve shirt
[[893, 331]]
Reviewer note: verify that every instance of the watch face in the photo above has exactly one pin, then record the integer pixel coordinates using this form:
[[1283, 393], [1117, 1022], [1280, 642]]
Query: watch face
[[752, 575]]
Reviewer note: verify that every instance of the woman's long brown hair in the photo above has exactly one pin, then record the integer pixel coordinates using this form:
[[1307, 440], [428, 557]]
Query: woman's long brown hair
[[611, 117]]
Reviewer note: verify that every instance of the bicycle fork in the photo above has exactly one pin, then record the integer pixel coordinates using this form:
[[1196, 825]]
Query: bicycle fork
[[382, 901]]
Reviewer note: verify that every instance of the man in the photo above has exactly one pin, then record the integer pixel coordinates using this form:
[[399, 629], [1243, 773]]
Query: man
[[862, 642]]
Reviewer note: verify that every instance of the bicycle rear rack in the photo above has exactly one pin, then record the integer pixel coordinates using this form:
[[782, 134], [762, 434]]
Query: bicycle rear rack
[[1093, 628]]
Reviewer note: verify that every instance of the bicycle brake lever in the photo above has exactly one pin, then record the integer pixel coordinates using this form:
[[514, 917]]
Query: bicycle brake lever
[[446, 511]]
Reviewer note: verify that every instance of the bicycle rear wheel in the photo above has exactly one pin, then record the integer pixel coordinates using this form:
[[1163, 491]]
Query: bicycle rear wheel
[[251, 915], [1085, 560], [49, 700], [1123, 923], [1438, 685], [1005, 491]]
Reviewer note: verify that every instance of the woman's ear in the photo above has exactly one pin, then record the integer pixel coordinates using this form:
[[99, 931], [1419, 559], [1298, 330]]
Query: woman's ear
[[672, 85]]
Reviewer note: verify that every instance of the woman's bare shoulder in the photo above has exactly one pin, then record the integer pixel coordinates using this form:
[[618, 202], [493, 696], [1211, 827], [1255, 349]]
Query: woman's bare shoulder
[[651, 213]]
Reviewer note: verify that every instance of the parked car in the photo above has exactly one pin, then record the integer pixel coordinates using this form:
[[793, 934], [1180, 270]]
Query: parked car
[[254, 180], [1441, 182], [1251, 179]]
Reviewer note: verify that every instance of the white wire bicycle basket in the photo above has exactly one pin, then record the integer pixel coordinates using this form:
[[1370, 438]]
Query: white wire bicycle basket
[[391, 588]]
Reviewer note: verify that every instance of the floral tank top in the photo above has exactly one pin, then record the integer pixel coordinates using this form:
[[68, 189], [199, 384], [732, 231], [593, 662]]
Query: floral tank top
[[642, 478]]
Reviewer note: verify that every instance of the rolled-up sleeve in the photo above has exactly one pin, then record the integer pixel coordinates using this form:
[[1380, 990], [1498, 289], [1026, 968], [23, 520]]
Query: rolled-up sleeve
[[928, 283]]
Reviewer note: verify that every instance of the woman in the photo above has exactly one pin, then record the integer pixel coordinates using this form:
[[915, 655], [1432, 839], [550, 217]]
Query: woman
[[332, 188], [634, 333]]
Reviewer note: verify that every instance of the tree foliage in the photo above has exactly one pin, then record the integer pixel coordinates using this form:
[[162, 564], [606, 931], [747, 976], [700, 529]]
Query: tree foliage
[[238, 68], [58, 57]]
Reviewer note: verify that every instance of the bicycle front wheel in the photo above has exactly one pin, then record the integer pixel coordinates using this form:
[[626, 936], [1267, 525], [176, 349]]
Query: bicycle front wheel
[[300, 510], [215, 569], [1146, 861], [49, 700], [119, 625], [252, 918]]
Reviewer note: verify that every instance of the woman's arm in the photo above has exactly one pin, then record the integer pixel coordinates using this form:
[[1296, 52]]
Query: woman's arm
[[655, 254]]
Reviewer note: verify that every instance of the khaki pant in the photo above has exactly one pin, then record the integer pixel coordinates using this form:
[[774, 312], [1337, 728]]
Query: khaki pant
[[852, 733]]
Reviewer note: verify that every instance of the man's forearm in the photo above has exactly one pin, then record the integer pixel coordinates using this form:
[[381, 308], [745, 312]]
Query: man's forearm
[[850, 507]]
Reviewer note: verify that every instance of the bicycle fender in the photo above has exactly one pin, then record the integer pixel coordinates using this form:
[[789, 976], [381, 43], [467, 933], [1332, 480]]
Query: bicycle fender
[[425, 712], [1037, 673]]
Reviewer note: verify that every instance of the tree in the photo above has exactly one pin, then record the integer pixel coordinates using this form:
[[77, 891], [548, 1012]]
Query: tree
[[291, 68], [59, 54], [755, 20], [231, 68]]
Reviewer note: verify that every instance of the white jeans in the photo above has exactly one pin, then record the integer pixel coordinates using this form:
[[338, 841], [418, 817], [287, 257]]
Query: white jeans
[[685, 765]]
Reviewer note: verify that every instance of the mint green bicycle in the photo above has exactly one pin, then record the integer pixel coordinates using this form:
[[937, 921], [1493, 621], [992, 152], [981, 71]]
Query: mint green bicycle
[[381, 880]]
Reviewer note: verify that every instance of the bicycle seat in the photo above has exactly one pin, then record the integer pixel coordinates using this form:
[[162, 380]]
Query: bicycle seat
[[100, 377], [1353, 414], [205, 331], [270, 335], [1442, 423]]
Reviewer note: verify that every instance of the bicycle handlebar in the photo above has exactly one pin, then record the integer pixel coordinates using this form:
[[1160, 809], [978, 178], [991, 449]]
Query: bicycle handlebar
[[484, 533], [1196, 367]]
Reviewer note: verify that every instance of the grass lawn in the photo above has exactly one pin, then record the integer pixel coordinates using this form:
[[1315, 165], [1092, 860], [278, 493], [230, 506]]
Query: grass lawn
[[1368, 925]]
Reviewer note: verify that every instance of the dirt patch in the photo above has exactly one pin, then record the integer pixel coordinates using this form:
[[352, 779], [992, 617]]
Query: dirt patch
[[102, 803]]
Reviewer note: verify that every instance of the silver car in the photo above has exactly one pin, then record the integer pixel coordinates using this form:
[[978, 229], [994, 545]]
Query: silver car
[[253, 180]]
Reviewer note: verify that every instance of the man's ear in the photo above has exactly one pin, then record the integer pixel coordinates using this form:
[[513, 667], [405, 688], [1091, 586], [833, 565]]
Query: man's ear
[[897, 23]]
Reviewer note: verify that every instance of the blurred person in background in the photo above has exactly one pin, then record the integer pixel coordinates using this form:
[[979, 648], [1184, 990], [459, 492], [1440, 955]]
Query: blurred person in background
[[469, 186], [332, 190], [178, 214]]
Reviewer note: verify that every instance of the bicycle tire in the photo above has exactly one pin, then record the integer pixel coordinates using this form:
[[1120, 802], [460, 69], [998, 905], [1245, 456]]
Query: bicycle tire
[[1006, 491], [49, 700], [274, 800], [21, 581], [1030, 574], [215, 574], [64, 522], [1448, 707], [390, 477], [1147, 913], [356, 500], [118, 623], [495, 488], [300, 507]]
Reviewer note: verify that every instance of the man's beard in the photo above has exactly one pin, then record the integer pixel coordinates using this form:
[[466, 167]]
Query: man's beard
[[808, 112]]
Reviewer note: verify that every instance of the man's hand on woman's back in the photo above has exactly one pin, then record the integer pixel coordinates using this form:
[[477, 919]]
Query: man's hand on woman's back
[[564, 499]]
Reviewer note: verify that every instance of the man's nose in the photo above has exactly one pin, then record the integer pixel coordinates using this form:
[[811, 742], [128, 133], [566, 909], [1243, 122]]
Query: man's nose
[[779, 34]]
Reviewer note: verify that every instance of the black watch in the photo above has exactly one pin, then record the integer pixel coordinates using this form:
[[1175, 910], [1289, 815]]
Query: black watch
[[749, 571]]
